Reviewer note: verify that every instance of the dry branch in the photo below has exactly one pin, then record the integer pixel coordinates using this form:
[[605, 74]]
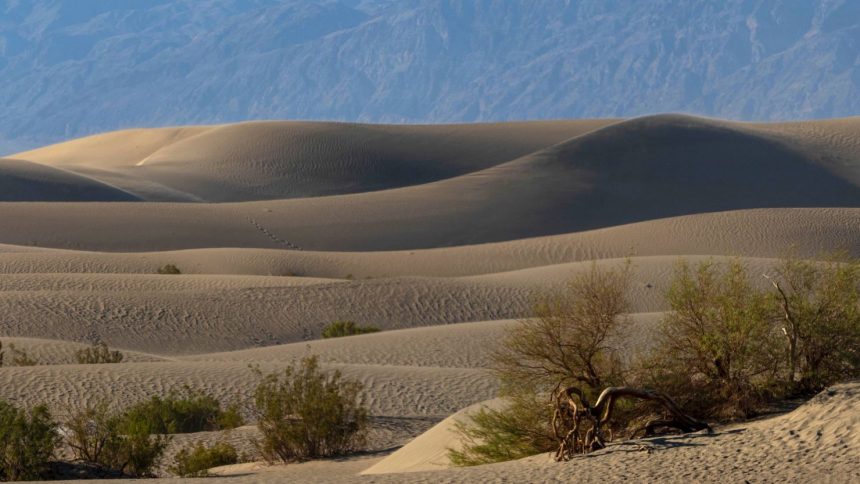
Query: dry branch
[[579, 426]]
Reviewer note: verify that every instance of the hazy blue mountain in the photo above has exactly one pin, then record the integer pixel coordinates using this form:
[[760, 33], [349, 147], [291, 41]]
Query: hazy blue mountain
[[74, 67]]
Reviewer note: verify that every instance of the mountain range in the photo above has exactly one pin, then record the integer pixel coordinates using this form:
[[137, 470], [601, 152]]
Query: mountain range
[[73, 68]]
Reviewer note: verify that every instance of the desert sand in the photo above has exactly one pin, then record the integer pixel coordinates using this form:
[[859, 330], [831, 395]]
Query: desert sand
[[441, 236]]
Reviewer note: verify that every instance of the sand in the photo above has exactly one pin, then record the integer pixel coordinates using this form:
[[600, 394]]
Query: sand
[[441, 236]]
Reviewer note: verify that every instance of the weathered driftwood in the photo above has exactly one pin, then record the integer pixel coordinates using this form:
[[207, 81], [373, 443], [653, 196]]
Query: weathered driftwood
[[579, 426]]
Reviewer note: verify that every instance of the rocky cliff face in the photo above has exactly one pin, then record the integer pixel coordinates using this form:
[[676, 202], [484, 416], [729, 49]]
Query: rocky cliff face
[[71, 68]]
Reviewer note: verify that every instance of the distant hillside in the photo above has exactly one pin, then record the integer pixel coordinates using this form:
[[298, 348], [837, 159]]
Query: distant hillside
[[87, 66]]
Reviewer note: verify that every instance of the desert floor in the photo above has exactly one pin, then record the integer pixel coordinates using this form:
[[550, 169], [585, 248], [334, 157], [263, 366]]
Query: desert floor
[[442, 236]]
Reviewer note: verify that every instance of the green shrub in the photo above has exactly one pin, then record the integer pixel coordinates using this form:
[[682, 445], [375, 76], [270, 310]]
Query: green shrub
[[306, 414], [726, 348], [21, 357], [186, 412], [196, 460], [819, 315], [520, 429], [346, 328], [169, 269], [571, 341], [718, 352], [110, 441], [27, 442], [98, 353]]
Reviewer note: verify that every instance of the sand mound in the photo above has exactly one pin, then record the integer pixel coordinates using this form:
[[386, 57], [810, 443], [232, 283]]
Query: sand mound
[[159, 227], [625, 172], [23, 181], [551, 168], [115, 149], [271, 160], [429, 451], [173, 315]]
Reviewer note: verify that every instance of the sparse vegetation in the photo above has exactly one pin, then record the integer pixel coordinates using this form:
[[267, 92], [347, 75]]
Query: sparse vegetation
[[27, 442], [197, 459], [727, 347], [183, 412], [338, 329], [718, 350], [520, 429], [306, 413], [98, 353], [819, 317], [572, 340], [20, 357], [169, 269], [114, 442]]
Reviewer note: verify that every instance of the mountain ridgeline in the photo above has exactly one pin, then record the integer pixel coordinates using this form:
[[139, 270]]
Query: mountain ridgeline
[[77, 68]]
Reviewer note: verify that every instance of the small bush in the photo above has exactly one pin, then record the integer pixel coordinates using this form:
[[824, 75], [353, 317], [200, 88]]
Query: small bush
[[21, 357], [27, 442], [574, 337], [718, 350], [819, 315], [307, 414], [196, 460], [346, 328], [169, 269], [179, 413], [520, 429], [112, 442], [572, 340], [98, 353]]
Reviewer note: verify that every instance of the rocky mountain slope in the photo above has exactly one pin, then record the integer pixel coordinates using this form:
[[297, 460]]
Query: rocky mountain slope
[[77, 68]]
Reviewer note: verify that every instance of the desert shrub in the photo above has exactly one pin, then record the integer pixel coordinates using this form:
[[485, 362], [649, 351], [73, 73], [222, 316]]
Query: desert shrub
[[337, 329], [573, 337], [98, 353], [21, 357], [169, 269], [819, 315], [185, 412], [305, 413], [27, 442], [572, 340], [517, 430], [197, 459], [110, 441], [718, 349]]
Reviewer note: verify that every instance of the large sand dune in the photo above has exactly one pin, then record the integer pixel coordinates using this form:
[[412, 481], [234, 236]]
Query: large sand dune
[[270, 160], [442, 236], [24, 181], [628, 171]]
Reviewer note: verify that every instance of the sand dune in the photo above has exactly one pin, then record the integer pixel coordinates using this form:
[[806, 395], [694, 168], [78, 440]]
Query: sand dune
[[142, 227], [270, 160], [23, 181], [625, 172], [173, 315]]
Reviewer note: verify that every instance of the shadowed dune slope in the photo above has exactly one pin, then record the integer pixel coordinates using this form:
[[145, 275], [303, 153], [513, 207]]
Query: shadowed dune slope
[[23, 181], [755, 233], [626, 172], [285, 159]]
